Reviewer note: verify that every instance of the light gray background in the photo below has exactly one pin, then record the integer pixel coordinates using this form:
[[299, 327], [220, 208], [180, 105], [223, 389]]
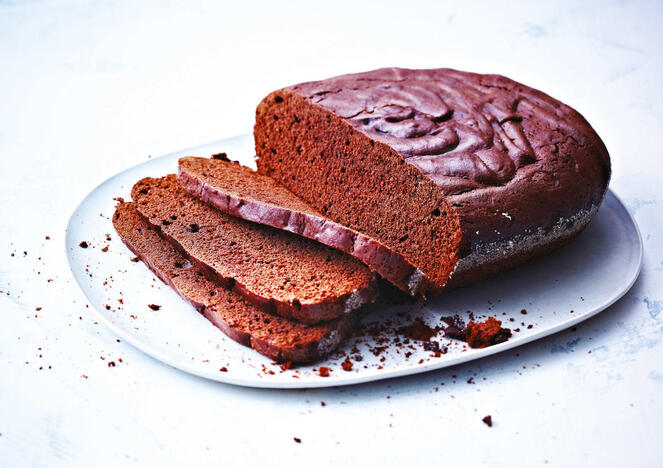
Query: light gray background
[[90, 88]]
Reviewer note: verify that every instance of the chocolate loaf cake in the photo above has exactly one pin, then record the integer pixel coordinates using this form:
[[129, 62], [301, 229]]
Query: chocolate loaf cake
[[286, 274], [458, 172], [242, 192], [275, 337]]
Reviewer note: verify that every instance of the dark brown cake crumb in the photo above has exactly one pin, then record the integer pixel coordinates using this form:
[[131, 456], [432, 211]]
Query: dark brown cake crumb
[[135, 259], [418, 330], [435, 347], [154, 306], [221, 156], [488, 421], [111, 364], [83, 245], [476, 334], [487, 333], [223, 369], [455, 327], [347, 365], [286, 365], [323, 371], [297, 439], [105, 249]]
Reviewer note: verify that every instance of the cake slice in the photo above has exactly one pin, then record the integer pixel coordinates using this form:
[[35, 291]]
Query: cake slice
[[242, 192], [285, 274], [275, 337]]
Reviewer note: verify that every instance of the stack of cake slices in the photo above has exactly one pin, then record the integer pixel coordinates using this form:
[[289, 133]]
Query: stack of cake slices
[[427, 179], [244, 252]]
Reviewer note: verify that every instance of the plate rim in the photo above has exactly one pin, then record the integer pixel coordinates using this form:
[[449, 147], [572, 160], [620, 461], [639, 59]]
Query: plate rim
[[323, 383]]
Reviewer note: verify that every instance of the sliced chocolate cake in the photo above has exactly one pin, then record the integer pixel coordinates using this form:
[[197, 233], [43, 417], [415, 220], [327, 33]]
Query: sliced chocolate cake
[[432, 178], [458, 172]]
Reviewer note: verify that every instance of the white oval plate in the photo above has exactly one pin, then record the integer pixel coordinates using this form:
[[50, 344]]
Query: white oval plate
[[558, 291]]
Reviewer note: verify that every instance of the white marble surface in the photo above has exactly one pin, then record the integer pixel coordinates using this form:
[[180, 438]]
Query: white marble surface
[[90, 88]]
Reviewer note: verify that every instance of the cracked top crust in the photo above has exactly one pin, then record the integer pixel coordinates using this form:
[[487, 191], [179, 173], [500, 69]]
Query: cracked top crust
[[509, 158]]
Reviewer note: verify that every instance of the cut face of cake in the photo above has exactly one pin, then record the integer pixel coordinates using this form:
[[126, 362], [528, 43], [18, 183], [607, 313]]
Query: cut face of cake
[[462, 174]]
